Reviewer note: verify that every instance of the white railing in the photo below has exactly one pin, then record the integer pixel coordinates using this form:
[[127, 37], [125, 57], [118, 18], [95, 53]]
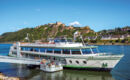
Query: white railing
[[67, 44], [7, 59], [39, 45]]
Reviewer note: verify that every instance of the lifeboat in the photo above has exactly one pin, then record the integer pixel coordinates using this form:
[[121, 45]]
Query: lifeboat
[[50, 66]]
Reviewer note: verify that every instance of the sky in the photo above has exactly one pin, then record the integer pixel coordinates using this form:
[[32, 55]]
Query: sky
[[98, 14]]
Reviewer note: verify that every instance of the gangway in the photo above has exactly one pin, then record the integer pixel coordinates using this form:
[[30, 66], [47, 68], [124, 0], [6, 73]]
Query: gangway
[[7, 59]]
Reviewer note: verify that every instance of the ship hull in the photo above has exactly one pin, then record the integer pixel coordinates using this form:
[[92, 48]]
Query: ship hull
[[80, 62]]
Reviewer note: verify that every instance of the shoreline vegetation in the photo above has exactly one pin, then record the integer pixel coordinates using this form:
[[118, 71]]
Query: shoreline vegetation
[[109, 44], [85, 43], [117, 36]]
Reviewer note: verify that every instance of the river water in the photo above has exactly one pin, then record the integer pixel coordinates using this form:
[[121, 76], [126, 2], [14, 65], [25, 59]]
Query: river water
[[24, 73]]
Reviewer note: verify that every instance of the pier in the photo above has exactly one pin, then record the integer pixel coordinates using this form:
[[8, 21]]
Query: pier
[[17, 60]]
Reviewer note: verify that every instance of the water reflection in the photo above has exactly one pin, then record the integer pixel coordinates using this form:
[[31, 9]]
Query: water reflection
[[85, 75], [72, 75], [15, 70], [35, 74]]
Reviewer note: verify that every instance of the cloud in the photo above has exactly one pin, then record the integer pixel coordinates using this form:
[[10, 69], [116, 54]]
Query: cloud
[[38, 9], [25, 23], [75, 23]]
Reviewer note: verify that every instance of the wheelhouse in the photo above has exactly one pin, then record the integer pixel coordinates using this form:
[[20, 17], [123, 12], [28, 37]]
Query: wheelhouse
[[58, 40]]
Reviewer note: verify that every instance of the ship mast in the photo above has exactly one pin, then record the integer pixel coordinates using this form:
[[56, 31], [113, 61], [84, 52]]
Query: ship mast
[[82, 40], [27, 37]]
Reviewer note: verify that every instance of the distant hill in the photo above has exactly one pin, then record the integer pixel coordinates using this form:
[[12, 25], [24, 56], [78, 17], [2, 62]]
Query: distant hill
[[58, 29], [42, 32], [116, 31]]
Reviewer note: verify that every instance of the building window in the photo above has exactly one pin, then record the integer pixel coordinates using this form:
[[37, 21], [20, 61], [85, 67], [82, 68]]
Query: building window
[[70, 61], [84, 62], [77, 62]]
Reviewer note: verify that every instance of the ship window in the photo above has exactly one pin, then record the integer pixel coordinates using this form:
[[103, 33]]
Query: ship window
[[76, 51], [49, 50], [31, 49], [32, 56], [14, 53], [42, 49], [36, 49], [66, 51], [54, 58], [86, 51], [36, 56], [56, 40], [70, 61], [84, 62], [57, 51], [22, 48], [63, 40], [94, 50], [77, 62], [42, 57], [26, 48], [69, 40]]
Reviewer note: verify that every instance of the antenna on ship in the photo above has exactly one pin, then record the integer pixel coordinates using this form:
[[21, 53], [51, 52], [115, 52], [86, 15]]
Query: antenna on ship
[[82, 40], [75, 35], [27, 38]]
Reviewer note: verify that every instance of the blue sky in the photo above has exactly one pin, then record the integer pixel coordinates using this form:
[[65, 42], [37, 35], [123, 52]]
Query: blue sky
[[98, 14]]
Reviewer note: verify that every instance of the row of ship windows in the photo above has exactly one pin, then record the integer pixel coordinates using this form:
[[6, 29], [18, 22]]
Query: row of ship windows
[[36, 57], [59, 51], [85, 62]]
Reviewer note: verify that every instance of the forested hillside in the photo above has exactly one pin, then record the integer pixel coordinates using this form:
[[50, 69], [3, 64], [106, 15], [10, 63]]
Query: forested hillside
[[42, 32]]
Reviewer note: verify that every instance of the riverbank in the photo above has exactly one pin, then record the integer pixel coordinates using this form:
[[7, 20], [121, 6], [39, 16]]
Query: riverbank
[[3, 77], [108, 43], [98, 43], [7, 42]]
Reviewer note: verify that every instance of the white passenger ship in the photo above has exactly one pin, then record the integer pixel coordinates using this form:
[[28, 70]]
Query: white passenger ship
[[71, 54]]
